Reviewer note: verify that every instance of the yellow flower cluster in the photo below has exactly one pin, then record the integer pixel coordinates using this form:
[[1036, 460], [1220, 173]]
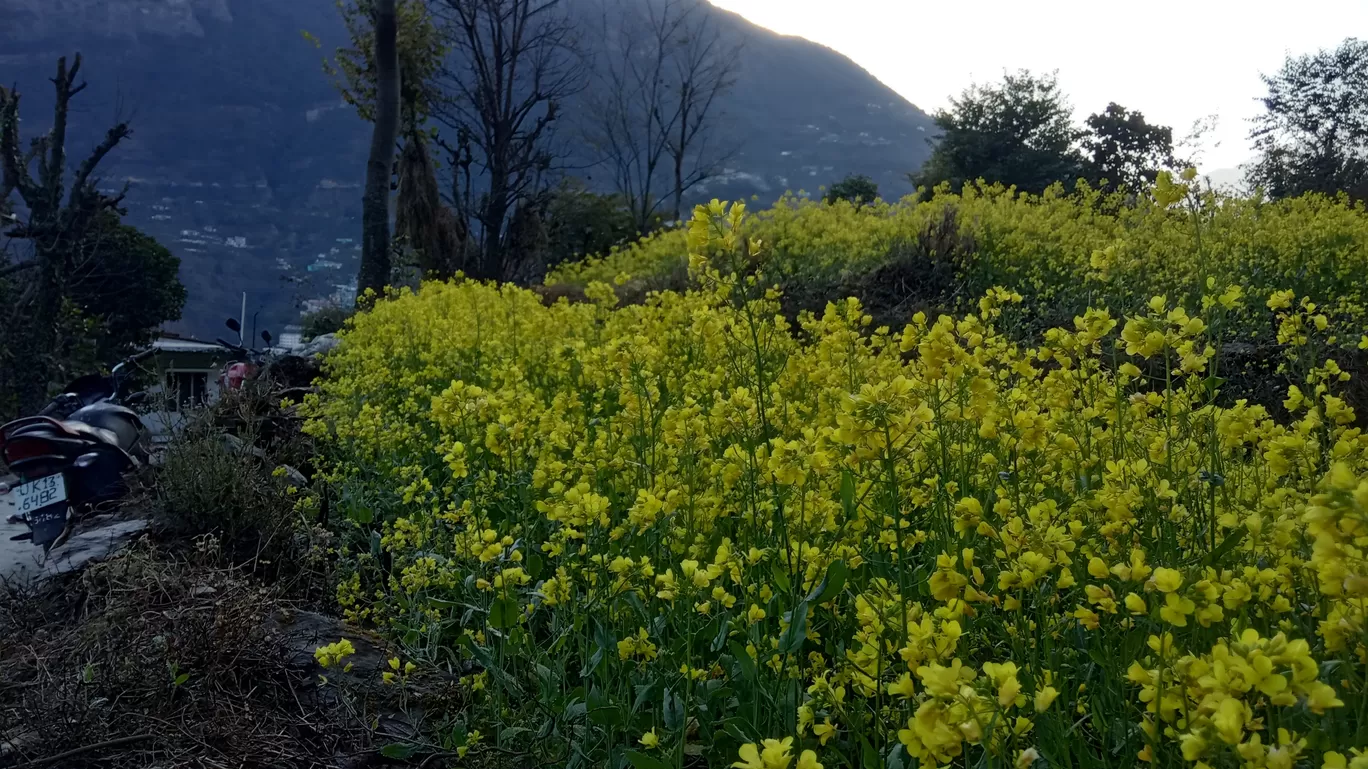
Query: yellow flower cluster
[[696, 530], [1063, 253], [332, 654]]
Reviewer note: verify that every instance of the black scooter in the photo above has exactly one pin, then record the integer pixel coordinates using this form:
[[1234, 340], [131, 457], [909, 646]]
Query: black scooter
[[73, 455]]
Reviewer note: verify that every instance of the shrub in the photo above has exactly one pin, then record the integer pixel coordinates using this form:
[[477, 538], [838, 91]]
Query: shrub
[[230, 473], [327, 320]]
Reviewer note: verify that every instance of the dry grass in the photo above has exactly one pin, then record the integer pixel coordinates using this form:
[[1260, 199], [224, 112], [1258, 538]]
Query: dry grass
[[179, 664]]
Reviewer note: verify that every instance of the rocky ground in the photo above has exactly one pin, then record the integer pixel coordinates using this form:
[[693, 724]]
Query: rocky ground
[[21, 563]]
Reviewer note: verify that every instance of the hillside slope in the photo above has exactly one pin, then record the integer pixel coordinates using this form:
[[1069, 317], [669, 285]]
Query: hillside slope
[[245, 162]]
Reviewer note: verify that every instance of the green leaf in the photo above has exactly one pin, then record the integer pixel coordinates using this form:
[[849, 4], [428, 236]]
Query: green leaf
[[602, 710], [482, 656], [848, 493], [832, 583], [512, 732], [743, 658], [869, 755], [644, 692], [740, 729], [361, 514], [895, 758], [707, 634], [592, 665], [635, 603], [182, 678], [399, 751], [1229, 543], [794, 635], [534, 566], [722, 631], [674, 710], [503, 613], [643, 761], [781, 576]]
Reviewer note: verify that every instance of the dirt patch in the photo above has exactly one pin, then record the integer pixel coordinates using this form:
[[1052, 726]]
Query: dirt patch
[[146, 660]]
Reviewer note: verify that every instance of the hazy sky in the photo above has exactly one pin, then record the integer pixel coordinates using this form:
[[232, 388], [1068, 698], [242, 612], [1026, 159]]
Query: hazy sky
[[1175, 62]]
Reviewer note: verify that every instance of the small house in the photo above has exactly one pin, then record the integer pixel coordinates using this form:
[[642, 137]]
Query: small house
[[185, 373]]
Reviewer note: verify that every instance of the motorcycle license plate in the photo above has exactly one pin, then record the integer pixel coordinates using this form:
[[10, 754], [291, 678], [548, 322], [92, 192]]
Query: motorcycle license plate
[[33, 496], [44, 503]]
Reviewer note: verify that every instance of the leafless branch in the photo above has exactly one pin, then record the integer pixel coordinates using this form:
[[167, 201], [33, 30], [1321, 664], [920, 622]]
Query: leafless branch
[[514, 64]]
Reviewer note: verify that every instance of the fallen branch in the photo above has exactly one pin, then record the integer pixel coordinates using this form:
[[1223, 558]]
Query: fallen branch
[[86, 749]]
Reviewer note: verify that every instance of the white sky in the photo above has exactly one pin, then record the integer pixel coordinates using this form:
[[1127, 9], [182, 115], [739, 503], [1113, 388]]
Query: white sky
[[1174, 61]]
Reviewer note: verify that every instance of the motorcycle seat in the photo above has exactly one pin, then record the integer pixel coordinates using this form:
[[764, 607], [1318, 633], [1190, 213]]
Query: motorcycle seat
[[68, 429], [91, 431]]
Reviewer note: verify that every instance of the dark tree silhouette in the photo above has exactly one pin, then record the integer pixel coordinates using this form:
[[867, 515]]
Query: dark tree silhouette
[[1125, 150], [1313, 135]]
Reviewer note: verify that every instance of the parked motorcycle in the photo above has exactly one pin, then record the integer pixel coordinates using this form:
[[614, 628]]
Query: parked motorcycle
[[250, 359], [73, 455]]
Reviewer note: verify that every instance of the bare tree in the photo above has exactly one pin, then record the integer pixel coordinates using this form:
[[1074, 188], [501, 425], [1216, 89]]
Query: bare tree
[[704, 65], [56, 222], [375, 207], [655, 112], [513, 64]]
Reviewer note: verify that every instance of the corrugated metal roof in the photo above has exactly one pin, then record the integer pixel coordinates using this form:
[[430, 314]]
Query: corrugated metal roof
[[185, 345]]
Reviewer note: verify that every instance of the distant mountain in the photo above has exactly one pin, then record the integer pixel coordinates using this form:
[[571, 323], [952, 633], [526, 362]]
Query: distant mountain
[[245, 162]]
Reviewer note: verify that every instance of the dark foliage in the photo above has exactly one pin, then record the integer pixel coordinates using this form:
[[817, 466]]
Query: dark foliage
[[1017, 132], [1313, 135], [856, 188], [1125, 150]]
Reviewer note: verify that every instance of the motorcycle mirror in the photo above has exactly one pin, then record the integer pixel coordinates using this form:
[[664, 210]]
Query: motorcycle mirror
[[86, 460], [266, 337], [234, 326]]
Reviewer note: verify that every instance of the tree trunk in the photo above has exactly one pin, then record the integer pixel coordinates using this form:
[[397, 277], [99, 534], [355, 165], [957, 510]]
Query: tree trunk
[[375, 233], [677, 152], [678, 185]]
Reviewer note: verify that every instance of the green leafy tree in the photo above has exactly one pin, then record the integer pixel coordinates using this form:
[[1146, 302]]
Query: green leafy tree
[[1017, 132], [421, 47], [856, 188], [412, 47], [127, 282], [1125, 150], [1313, 134], [581, 223]]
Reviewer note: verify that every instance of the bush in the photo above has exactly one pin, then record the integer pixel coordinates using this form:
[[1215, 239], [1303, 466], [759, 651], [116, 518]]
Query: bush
[[230, 473], [328, 320], [678, 533], [855, 188]]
